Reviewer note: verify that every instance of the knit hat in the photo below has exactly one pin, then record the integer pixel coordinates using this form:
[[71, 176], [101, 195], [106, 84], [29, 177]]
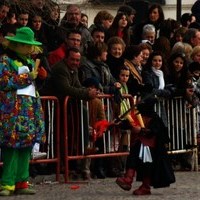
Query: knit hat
[[194, 66], [24, 35], [91, 82]]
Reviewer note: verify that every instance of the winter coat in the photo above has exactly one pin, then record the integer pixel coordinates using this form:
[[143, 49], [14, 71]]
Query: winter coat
[[96, 111], [160, 170], [57, 55], [115, 65], [162, 173], [152, 81], [100, 71], [135, 83], [65, 82]]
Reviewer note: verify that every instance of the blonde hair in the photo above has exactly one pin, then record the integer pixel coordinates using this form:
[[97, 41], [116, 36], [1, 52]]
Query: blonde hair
[[195, 51], [12, 46], [182, 47]]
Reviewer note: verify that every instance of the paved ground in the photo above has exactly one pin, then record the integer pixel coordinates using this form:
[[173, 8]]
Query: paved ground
[[187, 187]]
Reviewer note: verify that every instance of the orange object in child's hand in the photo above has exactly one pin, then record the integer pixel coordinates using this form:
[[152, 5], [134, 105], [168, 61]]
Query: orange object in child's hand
[[101, 127], [42, 73]]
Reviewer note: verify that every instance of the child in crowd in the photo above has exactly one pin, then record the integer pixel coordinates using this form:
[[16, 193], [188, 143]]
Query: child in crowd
[[96, 114], [124, 104], [123, 79], [129, 119]]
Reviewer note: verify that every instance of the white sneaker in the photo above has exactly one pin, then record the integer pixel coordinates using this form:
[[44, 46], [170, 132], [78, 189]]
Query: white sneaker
[[39, 155]]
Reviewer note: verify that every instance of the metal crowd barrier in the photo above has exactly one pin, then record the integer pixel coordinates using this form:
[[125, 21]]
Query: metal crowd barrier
[[51, 109], [181, 122], [76, 121], [182, 125]]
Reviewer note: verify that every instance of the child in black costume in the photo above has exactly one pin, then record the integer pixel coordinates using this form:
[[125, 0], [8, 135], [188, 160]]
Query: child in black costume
[[148, 156]]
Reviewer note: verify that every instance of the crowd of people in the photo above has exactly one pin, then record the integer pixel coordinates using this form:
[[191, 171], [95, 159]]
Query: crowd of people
[[113, 56]]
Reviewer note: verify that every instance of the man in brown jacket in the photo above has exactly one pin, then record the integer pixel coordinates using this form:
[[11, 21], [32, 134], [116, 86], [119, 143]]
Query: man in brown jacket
[[65, 80]]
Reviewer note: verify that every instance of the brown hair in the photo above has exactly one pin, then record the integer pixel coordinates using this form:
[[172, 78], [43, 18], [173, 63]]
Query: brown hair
[[102, 15], [115, 40], [145, 46], [96, 49]]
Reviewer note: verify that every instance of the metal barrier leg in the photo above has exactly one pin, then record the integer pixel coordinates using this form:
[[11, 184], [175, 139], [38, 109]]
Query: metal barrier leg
[[195, 160]]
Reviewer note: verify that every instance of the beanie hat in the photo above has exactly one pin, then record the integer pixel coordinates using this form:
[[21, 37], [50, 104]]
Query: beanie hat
[[91, 82]]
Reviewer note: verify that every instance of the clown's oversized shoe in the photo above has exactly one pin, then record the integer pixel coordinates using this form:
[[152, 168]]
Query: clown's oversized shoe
[[5, 192], [25, 191]]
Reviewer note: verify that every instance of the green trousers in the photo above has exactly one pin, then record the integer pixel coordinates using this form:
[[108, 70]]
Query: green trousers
[[15, 166]]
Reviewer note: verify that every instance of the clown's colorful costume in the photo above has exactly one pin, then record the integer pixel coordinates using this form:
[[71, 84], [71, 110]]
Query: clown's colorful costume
[[21, 124]]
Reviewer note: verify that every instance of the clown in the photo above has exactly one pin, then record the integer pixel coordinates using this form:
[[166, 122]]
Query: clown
[[22, 120]]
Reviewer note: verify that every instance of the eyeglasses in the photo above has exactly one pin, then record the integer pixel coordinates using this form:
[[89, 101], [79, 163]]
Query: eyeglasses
[[74, 39]]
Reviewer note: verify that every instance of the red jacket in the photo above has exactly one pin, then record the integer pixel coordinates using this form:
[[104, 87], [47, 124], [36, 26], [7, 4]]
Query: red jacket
[[57, 55]]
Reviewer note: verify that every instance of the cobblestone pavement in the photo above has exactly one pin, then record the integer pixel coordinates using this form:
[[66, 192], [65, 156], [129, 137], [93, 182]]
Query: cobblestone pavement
[[187, 186]]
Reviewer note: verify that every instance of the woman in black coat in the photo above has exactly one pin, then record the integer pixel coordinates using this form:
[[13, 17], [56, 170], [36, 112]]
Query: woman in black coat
[[115, 59], [154, 77], [133, 60]]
